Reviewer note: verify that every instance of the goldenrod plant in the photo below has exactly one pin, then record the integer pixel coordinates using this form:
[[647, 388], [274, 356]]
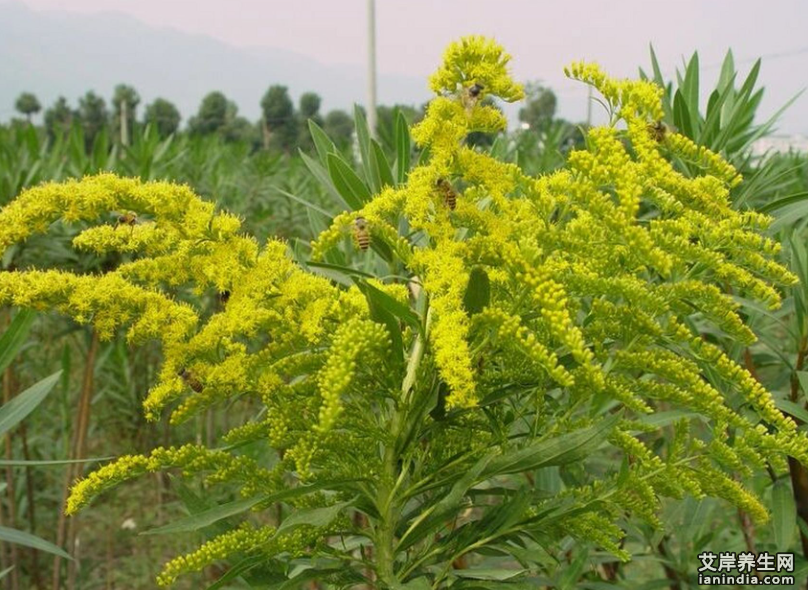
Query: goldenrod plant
[[522, 365]]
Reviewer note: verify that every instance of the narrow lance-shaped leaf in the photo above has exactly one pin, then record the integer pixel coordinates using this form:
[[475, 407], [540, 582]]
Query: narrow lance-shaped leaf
[[14, 336], [398, 309], [403, 148], [346, 181], [363, 139], [23, 404], [784, 514], [478, 291], [205, 517], [28, 540], [321, 174], [317, 517], [381, 165], [560, 450], [322, 142]]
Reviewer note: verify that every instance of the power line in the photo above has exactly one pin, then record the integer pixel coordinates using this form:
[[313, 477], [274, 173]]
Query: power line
[[767, 56]]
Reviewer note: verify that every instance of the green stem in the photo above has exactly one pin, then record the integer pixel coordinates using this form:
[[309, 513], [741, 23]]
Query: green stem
[[386, 502]]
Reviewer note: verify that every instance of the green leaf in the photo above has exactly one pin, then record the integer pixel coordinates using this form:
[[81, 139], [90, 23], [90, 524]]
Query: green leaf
[[8, 570], [14, 337], [727, 77], [46, 462], [478, 292], [784, 514], [681, 114], [195, 503], [423, 158], [316, 517], [737, 109], [489, 574], [317, 574], [796, 410], [322, 142], [340, 268], [435, 516], [469, 584], [363, 139], [418, 584], [27, 540], [691, 91], [347, 183], [712, 123], [319, 172], [242, 567], [658, 78], [560, 450], [395, 307], [381, 165], [571, 573], [381, 313], [199, 519], [23, 404], [374, 178], [203, 519], [660, 419], [303, 201], [403, 148]]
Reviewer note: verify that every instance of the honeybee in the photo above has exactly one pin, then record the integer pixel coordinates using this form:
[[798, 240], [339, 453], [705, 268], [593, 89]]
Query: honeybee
[[223, 297], [128, 218], [471, 95], [361, 233], [190, 380], [658, 130], [449, 193]]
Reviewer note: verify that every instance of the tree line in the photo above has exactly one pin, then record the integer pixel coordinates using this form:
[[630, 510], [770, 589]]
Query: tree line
[[282, 125]]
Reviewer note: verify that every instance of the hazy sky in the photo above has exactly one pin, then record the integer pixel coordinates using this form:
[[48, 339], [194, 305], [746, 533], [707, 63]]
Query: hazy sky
[[542, 35]]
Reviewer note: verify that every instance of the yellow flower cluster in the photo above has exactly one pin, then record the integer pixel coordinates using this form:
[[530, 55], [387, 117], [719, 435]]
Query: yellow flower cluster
[[593, 264], [476, 60]]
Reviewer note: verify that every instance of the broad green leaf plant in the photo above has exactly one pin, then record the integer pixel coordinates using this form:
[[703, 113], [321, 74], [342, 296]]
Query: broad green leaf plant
[[524, 369]]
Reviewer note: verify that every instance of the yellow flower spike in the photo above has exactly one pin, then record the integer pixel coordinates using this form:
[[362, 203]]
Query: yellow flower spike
[[243, 540], [94, 196], [353, 340], [476, 60]]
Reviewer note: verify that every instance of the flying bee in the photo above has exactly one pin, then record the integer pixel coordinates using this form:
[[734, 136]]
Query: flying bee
[[129, 218], [471, 95], [190, 380], [658, 131], [361, 233], [449, 193]]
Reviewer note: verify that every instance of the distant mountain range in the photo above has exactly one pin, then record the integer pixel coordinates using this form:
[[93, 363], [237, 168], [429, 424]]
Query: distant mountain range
[[61, 53]]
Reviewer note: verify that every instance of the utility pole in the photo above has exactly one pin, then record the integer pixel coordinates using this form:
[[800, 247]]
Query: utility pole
[[372, 67]]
